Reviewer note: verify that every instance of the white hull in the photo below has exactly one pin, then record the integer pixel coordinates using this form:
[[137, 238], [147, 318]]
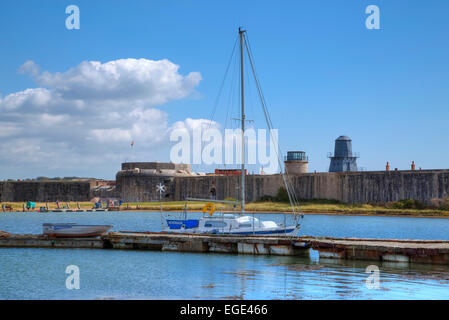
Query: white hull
[[73, 230], [235, 225], [289, 231]]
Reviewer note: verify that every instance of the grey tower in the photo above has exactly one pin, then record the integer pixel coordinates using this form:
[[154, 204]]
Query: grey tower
[[343, 159]]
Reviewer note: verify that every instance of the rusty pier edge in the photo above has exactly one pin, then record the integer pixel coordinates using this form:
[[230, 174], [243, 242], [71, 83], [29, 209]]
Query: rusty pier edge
[[391, 250]]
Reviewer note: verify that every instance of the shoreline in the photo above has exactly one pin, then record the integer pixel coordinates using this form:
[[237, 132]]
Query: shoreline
[[311, 212], [253, 208]]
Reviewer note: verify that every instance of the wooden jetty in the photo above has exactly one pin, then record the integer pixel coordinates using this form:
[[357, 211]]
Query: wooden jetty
[[164, 242], [404, 251], [391, 250]]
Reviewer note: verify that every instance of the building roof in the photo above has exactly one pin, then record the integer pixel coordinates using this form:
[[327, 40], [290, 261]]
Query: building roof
[[346, 138]]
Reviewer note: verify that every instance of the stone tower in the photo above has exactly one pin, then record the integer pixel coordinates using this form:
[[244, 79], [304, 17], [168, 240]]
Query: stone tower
[[296, 162], [343, 159]]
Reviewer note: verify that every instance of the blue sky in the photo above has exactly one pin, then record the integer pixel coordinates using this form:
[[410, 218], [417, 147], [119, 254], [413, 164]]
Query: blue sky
[[323, 74]]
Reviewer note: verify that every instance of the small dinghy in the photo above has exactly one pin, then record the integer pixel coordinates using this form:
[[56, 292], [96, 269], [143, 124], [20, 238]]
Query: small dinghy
[[74, 230]]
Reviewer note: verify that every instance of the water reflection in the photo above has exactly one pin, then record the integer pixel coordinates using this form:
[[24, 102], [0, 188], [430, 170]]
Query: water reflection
[[106, 274]]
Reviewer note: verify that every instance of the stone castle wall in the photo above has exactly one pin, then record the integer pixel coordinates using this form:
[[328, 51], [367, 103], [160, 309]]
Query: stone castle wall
[[132, 186], [42, 191], [348, 187], [374, 187]]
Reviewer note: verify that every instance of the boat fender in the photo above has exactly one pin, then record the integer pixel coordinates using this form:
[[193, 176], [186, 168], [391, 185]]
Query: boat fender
[[209, 207]]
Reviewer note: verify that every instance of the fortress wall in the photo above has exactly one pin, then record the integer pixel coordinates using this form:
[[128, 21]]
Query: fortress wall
[[258, 186], [226, 186], [6, 191], [200, 187], [377, 186], [40, 191], [396, 185], [306, 186], [138, 187], [348, 187], [318, 186]]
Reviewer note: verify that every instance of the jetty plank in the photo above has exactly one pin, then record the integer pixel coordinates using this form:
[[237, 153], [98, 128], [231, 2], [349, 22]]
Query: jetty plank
[[398, 250], [392, 250]]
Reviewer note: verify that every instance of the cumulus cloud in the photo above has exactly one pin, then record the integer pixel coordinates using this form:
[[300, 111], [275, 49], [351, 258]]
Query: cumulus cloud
[[30, 67], [89, 114], [146, 81], [38, 99]]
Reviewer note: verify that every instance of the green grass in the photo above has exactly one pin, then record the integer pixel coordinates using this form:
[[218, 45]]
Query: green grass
[[313, 206]]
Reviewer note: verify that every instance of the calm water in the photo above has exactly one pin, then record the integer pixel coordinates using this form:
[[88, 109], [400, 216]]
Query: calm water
[[40, 273]]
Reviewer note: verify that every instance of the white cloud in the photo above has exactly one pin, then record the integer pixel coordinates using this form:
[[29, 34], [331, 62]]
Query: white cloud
[[37, 98], [87, 116], [30, 67], [146, 81], [148, 127], [47, 119]]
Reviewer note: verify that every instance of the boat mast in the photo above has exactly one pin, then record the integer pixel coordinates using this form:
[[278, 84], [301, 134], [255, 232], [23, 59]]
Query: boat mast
[[241, 33]]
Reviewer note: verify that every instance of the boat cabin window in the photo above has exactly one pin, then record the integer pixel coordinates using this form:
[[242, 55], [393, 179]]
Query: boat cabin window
[[245, 225], [215, 224]]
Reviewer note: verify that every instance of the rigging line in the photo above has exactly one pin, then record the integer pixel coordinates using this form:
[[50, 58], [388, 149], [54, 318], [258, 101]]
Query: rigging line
[[249, 98], [232, 94], [287, 180], [256, 78], [222, 85], [267, 117], [263, 101], [231, 91], [293, 200], [250, 118]]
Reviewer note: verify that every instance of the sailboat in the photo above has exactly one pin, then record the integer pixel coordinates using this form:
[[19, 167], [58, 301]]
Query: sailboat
[[229, 223]]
